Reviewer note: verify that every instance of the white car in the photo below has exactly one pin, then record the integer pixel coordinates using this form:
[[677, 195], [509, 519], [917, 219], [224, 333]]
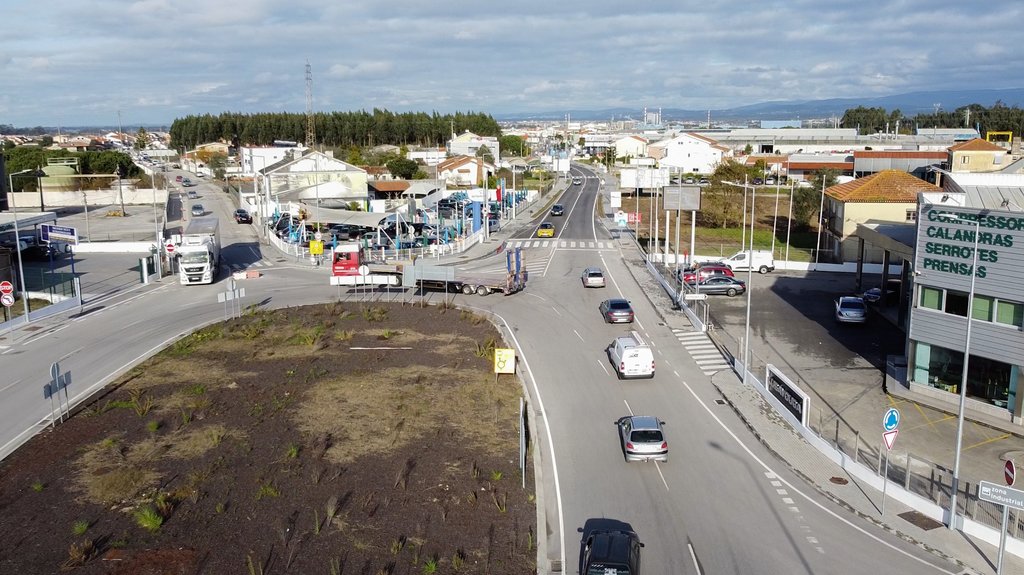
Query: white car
[[851, 309], [592, 277]]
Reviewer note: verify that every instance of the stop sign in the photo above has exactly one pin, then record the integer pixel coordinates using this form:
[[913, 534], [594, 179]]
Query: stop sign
[[6, 287], [1009, 472]]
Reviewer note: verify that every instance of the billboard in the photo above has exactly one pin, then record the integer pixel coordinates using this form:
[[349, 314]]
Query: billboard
[[644, 178]]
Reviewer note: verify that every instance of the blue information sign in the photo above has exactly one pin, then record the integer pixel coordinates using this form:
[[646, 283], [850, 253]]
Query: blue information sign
[[892, 419]]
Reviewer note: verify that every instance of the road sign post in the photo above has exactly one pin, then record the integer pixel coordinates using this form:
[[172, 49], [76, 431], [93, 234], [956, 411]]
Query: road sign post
[[1009, 474], [890, 423]]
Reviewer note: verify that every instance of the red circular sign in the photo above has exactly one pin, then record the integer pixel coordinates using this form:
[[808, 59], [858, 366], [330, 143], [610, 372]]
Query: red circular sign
[[6, 287], [1009, 472], [170, 248]]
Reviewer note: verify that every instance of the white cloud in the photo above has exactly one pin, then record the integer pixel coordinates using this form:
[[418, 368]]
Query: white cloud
[[360, 70], [168, 58]]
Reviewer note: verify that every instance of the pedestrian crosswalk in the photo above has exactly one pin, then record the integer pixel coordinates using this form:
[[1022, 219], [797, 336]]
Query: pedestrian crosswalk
[[236, 267], [561, 244], [700, 347]]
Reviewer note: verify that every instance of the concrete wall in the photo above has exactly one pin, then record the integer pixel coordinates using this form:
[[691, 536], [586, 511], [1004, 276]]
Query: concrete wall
[[131, 196]]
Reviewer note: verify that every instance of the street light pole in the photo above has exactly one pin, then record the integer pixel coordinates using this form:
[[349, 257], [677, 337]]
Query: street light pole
[[963, 375], [17, 236], [821, 219]]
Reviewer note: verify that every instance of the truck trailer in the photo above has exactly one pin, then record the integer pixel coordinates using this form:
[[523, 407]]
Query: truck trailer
[[347, 268], [199, 251]]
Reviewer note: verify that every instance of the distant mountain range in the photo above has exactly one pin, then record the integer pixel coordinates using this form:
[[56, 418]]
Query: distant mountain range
[[910, 104]]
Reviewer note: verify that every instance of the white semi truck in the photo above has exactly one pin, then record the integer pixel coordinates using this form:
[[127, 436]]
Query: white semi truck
[[199, 251]]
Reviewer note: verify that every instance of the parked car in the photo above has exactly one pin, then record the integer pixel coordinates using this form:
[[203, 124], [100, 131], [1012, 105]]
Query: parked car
[[611, 551], [722, 285], [34, 249], [242, 216], [704, 272], [616, 311], [592, 277], [557, 210], [185, 182], [198, 210], [703, 182], [757, 181], [642, 438], [689, 180], [546, 230], [851, 309], [192, 195], [177, 178]]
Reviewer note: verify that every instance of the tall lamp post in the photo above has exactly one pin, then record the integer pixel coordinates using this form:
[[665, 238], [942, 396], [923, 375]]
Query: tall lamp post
[[17, 236], [967, 358]]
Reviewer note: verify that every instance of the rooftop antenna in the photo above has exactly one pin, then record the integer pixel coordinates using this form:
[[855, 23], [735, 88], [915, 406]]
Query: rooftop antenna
[[310, 124]]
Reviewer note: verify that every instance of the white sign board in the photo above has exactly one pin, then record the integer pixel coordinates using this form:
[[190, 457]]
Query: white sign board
[[616, 199], [643, 178], [994, 493]]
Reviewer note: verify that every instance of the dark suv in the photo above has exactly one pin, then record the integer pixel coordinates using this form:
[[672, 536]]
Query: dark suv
[[611, 552]]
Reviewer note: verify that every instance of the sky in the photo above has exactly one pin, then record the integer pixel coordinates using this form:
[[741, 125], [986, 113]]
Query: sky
[[78, 63]]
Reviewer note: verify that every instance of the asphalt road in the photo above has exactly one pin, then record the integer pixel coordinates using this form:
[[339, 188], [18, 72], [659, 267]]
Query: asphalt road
[[722, 502]]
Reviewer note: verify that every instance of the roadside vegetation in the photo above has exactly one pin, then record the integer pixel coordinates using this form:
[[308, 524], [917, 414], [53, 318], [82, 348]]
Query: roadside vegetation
[[337, 438]]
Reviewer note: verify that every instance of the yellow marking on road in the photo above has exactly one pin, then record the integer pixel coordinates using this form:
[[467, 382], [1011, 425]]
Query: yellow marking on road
[[994, 439], [929, 422]]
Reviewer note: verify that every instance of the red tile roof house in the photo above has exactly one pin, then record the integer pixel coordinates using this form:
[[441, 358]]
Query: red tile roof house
[[888, 196]]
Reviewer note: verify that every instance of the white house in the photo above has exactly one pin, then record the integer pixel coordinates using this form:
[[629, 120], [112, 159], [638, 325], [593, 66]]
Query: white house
[[468, 143], [632, 146], [689, 152], [464, 171]]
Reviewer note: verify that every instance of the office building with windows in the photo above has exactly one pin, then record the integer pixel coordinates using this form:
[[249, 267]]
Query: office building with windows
[[969, 267]]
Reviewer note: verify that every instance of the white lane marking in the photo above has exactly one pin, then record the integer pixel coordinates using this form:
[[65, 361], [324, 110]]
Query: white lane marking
[[693, 557], [806, 497], [578, 335], [554, 309], [663, 482], [43, 335], [601, 363], [10, 385], [627, 407]]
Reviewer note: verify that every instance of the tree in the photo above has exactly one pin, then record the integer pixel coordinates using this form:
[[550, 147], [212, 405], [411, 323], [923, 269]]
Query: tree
[[485, 153], [217, 163], [512, 145], [46, 141], [403, 168], [807, 200], [141, 139]]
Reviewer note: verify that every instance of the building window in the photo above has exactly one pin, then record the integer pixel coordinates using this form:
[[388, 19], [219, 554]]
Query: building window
[[965, 159], [931, 298], [1010, 313], [911, 216], [987, 379], [982, 308], [956, 303]]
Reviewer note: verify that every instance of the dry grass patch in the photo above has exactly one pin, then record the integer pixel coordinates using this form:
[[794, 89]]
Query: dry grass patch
[[110, 472], [399, 337], [196, 441], [452, 344], [376, 413]]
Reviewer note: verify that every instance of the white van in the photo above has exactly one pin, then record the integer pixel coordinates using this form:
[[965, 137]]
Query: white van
[[762, 261], [631, 357]]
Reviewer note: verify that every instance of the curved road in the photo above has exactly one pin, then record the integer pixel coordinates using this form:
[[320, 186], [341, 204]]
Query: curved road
[[721, 504]]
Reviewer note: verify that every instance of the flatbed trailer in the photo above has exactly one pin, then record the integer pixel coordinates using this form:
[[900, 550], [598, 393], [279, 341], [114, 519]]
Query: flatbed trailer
[[448, 279]]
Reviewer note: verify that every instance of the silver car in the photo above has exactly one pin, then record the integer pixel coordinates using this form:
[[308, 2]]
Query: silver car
[[592, 277], [851, 309], [642, 438], [198, 210]]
